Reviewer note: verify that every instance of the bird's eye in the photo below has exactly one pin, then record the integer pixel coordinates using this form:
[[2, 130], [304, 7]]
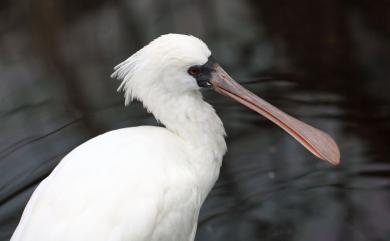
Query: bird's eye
[[194, 71]]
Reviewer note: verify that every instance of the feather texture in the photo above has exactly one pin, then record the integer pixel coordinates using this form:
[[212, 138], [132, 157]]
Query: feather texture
[[141, 183], [114, 188]]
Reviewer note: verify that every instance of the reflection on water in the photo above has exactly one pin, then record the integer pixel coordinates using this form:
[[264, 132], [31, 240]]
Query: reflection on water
[[56, 93]]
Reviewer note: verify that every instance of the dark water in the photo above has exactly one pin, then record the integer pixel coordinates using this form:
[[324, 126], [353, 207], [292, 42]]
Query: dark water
[[330, 66]]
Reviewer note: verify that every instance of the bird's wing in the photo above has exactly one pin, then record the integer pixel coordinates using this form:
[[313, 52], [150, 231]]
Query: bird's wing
[[130, 184]]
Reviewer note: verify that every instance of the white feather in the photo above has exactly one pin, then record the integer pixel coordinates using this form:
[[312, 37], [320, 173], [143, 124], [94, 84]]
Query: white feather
[[141, 183]]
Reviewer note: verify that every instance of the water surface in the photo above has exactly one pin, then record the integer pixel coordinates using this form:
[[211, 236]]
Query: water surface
[[328, 64]]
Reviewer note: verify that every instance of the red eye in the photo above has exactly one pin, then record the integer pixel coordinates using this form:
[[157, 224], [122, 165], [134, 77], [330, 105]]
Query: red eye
[[194, 71]]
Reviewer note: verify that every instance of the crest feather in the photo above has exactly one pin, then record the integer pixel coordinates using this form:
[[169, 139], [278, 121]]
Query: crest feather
[[124, 72]]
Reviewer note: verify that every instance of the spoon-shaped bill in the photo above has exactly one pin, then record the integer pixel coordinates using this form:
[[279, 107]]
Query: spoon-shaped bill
[[316, 141]]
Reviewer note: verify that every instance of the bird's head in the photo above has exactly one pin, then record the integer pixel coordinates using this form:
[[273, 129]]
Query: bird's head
[[172, 63], [176, 64]]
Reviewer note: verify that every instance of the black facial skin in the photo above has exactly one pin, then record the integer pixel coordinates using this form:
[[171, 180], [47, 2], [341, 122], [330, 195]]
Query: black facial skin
[[202, 73]]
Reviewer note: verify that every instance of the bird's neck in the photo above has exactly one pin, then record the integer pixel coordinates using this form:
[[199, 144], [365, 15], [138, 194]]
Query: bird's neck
[[195, 121]]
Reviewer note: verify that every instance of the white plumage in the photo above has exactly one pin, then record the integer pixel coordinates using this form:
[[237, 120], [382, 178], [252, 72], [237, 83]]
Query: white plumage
[[148, 183], [142, 183]]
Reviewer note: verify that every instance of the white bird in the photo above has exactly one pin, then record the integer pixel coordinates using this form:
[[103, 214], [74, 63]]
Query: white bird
[[148, 183]]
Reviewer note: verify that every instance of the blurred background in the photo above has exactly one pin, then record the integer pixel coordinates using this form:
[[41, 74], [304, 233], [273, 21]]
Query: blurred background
[[326, 62]]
